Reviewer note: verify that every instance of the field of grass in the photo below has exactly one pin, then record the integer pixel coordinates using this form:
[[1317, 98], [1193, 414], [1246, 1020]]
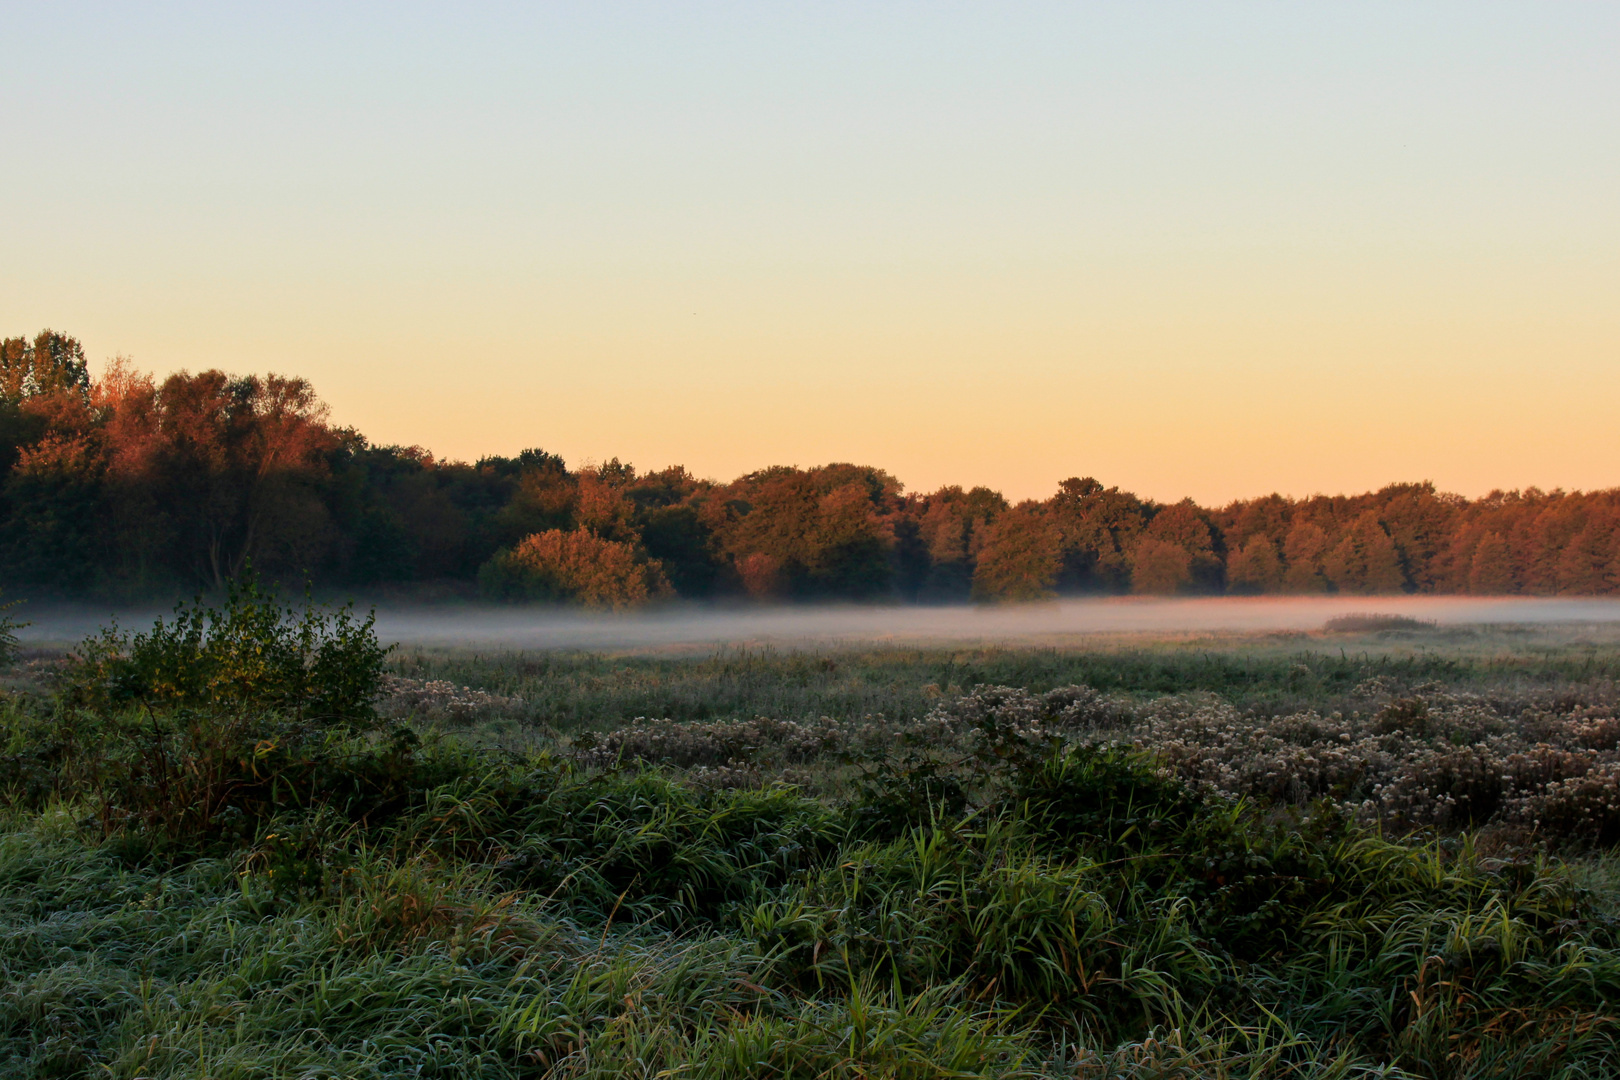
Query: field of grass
[[1273, 672], [1373, 853]]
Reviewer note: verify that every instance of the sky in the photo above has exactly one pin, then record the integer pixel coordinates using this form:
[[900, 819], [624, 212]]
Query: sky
[[1192, 249]]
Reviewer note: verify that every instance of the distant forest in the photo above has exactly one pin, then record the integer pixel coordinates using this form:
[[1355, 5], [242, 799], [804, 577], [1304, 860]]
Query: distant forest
[[131, 487]]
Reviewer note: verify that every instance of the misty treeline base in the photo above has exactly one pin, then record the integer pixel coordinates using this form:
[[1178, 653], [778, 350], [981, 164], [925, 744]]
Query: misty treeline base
[[124, 485]]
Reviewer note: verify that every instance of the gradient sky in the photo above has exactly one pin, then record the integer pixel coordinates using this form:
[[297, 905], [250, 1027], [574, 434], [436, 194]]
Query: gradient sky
[[1200, 249]]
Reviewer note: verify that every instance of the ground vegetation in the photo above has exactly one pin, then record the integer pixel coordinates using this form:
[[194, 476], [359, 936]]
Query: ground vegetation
[[251, 842]]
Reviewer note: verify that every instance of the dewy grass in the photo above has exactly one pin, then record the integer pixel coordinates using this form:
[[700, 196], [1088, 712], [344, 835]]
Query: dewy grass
[[184, 974], [1010, 864], [576, 691]]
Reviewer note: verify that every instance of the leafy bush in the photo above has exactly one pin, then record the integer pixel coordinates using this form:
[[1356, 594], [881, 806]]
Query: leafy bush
[[1533, 765], [1107, 801], [46, 753], [902, 794], [254, 653], [247, 714], [720, 742], [1583, 809], [947, 903], [973, 750], [188, 780]]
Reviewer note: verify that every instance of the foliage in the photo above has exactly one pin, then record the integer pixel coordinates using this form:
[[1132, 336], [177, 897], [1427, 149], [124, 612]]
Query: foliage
[[50, 363], [577, 567], [253, 654], [208, 780], [1273, 676], [1019, 560], [652, 849], [131, 486], [440, 700]]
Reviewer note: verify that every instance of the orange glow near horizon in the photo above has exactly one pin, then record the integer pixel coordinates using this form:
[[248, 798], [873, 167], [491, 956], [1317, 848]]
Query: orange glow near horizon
[[1212, 408], [1210, 253]]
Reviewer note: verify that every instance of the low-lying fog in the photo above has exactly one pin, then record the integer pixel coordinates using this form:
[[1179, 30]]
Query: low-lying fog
[[790, 626]]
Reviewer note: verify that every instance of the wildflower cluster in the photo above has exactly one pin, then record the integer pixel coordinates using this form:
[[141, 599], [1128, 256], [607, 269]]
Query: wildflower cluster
[[1431, 759], [1416, 758], [439, 699], [1008, 723]]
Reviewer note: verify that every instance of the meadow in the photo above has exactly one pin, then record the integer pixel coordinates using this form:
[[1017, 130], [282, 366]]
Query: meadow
[[254, 843]]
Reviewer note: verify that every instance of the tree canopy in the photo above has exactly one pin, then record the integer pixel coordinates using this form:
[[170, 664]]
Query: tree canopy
[[126, 486]]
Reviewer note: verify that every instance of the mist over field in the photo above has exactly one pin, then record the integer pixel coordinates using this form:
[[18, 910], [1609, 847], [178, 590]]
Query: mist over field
[[786, 626]]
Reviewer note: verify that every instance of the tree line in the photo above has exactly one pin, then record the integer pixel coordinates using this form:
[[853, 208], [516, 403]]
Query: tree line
[[128, 486]]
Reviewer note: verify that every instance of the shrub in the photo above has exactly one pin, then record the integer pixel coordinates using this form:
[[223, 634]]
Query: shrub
[[576, 567], [900, 795], [1106, 800], [248, 712], [714, 743], [46, 753], [1367, 622], [942, 904], [188, 780], [253, 654]]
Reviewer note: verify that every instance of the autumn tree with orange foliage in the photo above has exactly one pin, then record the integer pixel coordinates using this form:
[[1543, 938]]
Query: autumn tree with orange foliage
[[1021, 557], [576, 566], [1364, 560], [802, 534], [952, 526], [1097, 530]]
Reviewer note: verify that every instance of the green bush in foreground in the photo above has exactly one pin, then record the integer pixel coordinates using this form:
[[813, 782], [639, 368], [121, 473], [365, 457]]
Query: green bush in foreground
[[319, 665]]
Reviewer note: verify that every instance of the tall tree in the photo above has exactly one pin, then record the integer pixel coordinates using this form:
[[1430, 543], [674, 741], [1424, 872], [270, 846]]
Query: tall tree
[[1097, 528], [1307, 544], [952, 524], [49, 364], [1490, 569], [1021, 557], [1590, 562], [237, 462], [1364, 560], [1175, 553], [1255, 567]]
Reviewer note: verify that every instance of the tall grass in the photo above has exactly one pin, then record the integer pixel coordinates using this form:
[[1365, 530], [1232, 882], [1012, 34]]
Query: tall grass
[[235, 889]]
